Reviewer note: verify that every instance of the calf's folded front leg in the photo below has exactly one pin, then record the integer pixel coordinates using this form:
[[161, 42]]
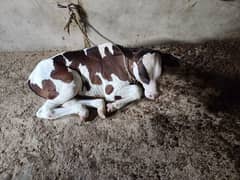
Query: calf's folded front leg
[[99, 104], [127, 94]]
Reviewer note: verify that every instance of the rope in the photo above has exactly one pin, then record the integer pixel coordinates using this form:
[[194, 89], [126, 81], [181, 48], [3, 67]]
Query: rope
[[79, 16], [126, 66], [100, 34]]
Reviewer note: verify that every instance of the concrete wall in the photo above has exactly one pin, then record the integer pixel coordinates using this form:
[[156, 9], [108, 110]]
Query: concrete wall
[[38, 24]]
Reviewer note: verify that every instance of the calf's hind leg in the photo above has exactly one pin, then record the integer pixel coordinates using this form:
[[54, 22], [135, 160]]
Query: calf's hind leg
[[53, 109], [66, 91], [70, 107]]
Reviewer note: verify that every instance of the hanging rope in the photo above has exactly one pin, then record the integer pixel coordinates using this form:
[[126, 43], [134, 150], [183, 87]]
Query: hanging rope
[[78, 15]]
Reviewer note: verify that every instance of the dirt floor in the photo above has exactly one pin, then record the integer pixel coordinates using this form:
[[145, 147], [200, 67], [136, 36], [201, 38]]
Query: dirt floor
[[192, 131]]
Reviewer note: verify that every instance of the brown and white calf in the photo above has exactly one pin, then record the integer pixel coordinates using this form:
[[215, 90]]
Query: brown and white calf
[[107, 71]]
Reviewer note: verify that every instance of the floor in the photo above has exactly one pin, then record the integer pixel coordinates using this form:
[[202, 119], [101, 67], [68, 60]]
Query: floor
[[192, 131]]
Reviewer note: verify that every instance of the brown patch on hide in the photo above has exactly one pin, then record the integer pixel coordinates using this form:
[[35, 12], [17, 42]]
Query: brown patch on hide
[[48, 90], [110, 64], [109, 89], [60, 71]]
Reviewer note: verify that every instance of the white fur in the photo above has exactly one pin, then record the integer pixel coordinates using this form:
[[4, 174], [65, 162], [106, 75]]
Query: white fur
[[152, 62], [68, 63], [101, 48], [128, 93], [41, 72], [85, 51]]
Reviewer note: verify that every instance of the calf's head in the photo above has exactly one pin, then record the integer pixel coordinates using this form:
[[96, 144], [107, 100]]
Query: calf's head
[[146, 71]]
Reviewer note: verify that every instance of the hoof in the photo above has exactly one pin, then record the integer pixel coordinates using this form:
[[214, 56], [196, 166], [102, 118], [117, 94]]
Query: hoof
[[45, 114], [82, 118], [83, 114], [111, 107], [102, 112]]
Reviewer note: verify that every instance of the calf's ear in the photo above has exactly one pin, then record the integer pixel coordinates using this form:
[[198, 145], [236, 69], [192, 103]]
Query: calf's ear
[[170, 60], [143, 73]]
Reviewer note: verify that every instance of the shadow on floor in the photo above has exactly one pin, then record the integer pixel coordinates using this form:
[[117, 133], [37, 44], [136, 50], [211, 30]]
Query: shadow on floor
[[212, 67], [211, 64]]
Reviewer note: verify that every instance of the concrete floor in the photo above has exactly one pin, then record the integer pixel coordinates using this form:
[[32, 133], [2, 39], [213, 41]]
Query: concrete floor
[[191, 132]]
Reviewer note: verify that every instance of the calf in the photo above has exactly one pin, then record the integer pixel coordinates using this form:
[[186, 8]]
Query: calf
[[106, 71]]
